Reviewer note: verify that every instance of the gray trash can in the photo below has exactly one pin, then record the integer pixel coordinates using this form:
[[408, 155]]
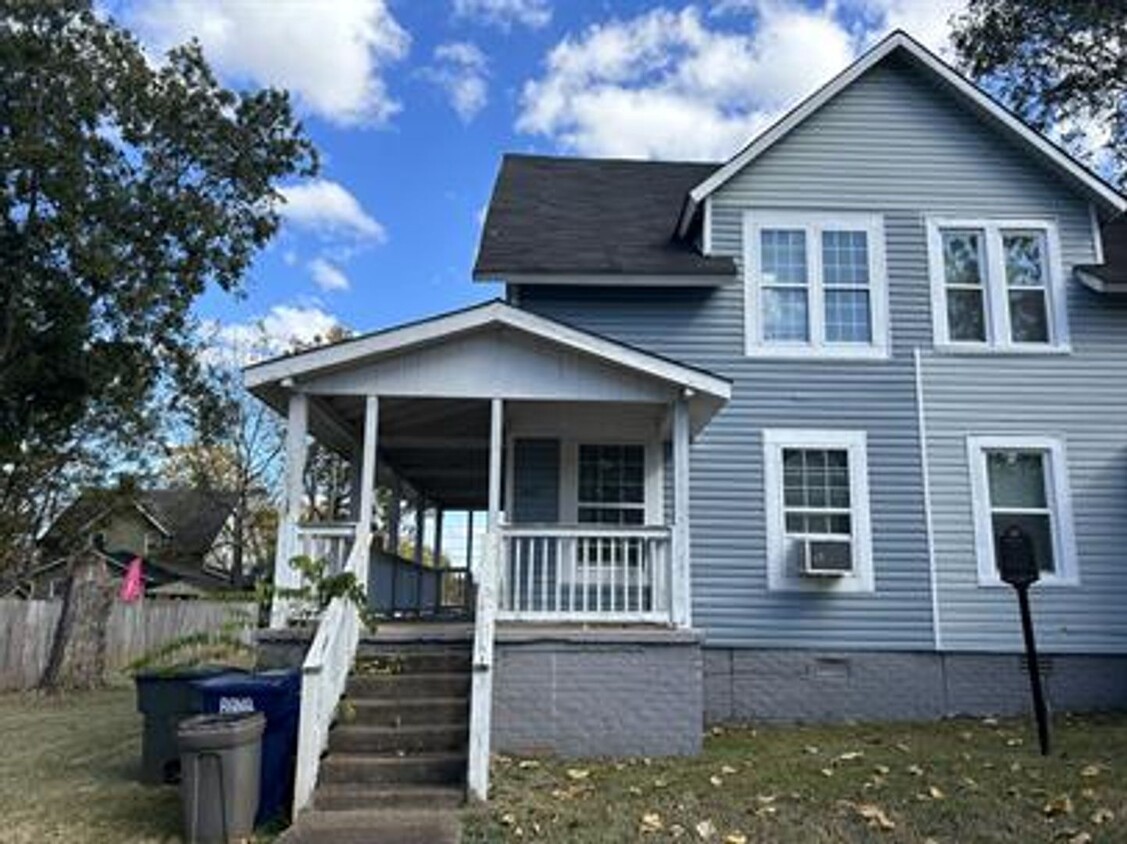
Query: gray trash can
[[220, 756]]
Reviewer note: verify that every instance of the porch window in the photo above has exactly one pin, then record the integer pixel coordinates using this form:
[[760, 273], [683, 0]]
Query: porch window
[[818, 533], [994, 286], [612, 483], [816, 284], [1021, 482]]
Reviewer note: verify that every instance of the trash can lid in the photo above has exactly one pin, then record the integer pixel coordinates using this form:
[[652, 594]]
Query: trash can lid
[[219, 730], [282, 682]]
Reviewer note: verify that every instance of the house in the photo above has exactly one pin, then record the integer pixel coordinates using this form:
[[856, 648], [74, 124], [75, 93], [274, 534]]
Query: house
[[746, 432], [178, 533]]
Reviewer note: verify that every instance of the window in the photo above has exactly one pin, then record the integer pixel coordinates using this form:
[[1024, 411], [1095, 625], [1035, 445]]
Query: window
[[612, 484], [1022, 482], [815, 284], [995, 285], [818, 533]]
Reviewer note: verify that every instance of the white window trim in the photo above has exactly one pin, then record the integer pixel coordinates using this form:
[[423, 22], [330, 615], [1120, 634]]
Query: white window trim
[[998, 340], [814, 223], [1060, 504], [855, 442]]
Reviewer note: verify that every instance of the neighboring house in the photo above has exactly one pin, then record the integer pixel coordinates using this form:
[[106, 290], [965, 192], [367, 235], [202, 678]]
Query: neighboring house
[[178, 533], [891, 326]]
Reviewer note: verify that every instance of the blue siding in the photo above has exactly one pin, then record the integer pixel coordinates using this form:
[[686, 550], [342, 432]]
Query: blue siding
[[895, 145]]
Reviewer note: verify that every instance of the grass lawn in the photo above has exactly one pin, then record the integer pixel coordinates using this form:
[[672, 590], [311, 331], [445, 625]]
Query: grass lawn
[[955, 781], [69, 768]]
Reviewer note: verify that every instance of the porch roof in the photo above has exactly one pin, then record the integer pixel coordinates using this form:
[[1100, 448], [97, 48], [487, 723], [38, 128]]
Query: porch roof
[[433, 375]]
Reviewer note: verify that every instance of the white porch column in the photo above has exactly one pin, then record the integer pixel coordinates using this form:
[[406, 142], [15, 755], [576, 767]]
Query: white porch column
[[285, 577], [681, 597], [481, 701], [367, 497]]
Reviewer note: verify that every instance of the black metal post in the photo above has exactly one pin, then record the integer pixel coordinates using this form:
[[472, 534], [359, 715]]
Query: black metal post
[[1034, 669]]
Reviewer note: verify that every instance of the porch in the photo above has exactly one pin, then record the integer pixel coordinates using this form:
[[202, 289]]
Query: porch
[[504, 469]]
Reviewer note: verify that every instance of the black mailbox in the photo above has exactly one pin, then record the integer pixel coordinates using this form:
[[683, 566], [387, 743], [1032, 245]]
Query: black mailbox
[[1017, 560]]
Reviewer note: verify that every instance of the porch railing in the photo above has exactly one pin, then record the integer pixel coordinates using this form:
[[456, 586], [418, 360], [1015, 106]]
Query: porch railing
[[401, 588], [331, 541], [585, 573], [324, 675]]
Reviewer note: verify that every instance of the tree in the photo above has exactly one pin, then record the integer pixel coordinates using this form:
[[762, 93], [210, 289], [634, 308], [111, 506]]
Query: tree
[[128, 188], [1060, 64]]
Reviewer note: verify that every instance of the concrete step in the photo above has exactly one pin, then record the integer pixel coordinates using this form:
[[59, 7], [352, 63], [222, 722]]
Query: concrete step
[[412, 660], [397, 712], [439, 768], [410, 738], [364, 826], [341, 797], [415, 685]]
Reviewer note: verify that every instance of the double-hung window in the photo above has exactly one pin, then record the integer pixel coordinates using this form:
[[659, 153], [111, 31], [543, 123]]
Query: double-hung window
[[817, 507], [815, 284], [1022, 482], [996, 284]]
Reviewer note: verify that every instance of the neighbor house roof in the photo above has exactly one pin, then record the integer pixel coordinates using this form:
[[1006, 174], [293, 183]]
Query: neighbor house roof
[[1110, 275], [902, 43], [592, 218], [191, 519]]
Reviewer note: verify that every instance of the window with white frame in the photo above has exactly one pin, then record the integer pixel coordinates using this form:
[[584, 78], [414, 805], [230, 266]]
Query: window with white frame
[[815, 284], [612, 484], [1022, 482], [817, 508], [996, 285]]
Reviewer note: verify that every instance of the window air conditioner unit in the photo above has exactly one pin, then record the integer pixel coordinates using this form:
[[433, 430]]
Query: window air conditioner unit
[[826, 558]]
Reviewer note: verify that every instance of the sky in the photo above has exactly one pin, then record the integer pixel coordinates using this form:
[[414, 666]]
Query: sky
[[412, 103]]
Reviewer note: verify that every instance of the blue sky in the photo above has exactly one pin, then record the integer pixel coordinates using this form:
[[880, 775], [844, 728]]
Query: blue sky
[[413, 102]]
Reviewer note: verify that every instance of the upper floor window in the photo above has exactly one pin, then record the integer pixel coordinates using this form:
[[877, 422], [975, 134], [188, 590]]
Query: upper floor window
[[815, 284], [996, 285]]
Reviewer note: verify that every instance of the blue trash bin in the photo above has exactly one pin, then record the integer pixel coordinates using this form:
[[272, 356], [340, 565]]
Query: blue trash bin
[[277, 695]]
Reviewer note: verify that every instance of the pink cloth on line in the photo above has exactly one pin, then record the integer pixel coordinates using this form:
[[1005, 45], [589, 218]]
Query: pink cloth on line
[[133, 584]]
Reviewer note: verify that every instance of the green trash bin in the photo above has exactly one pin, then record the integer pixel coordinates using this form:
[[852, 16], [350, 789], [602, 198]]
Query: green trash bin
[[220, 758]]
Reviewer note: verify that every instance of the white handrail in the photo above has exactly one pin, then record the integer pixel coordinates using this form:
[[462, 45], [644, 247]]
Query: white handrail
[[586, 573], [324, 675]]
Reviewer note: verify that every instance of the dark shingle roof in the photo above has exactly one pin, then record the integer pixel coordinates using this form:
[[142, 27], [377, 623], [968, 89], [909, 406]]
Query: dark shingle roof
[[1114, 268], [591, 217]]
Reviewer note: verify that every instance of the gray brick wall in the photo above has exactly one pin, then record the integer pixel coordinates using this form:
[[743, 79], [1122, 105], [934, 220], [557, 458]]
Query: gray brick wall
[[598, 698], [791, 685]]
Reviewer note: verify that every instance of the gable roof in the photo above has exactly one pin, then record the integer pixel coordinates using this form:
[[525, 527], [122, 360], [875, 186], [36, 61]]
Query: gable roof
[[402, 338], [595, 217], [899, 40]]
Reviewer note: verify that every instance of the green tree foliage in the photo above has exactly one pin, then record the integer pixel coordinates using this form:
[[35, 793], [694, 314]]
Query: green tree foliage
[[128, 188], [1060, 64]]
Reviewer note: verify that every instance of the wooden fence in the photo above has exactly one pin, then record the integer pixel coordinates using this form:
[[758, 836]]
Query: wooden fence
[[27, 628]]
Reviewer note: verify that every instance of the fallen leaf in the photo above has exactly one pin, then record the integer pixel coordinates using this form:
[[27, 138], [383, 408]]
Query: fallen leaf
[[1014, 742], [706, 830], [936, 792], [736, 838], [508, 819], [812, 750], [915, 770], [765, 811], [1061, 805], [651, 822], [875, 816], [715, 780], [990, 722], [765, 799], [1090, 771], [902, 747], [1088, 793], [578, 773], [826, 772], [1102, 816], [727, 769], [1080, 838], [883, 770], [528, 764], [637, 792], [660, 783], [850, 756]]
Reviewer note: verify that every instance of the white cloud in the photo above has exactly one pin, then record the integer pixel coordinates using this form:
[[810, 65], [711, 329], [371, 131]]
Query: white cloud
[[327, 207], [504, 13], [667, 84], [328, 277], [461, 70], [277, 332], [331, 55], [928, 21]]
